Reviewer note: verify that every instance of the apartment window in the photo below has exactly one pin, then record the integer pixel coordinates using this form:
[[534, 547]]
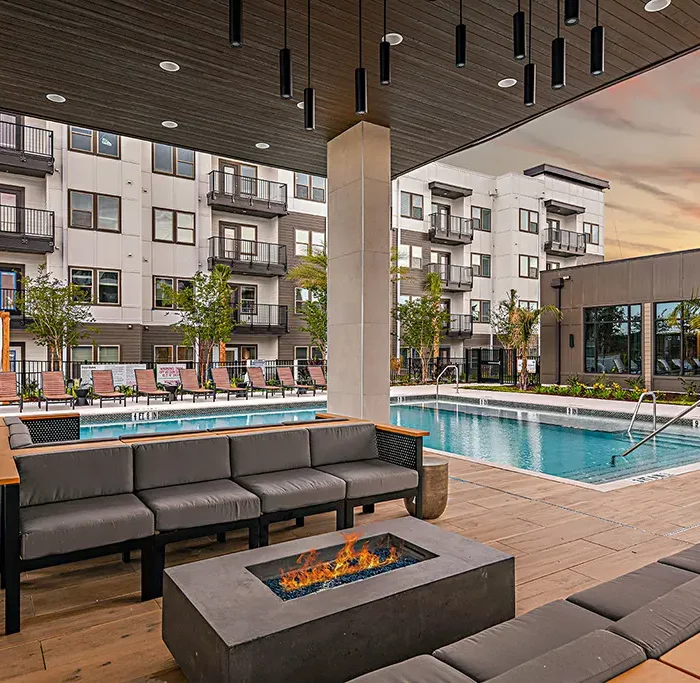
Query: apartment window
[[184, 354], [553, 265], [173, 226], [309, 242], [481, 311], [301, 298], [529, 221], [101, 287], [481, 265], [108, 354], [677, 347], [90, 354], [412, 205], [311, 187], [529, 267], [92, 211], [163, 354], [553, 223], [528, 305], [481, 218], [613, 339], [162, 287], [592, 233], [93, 142], [410, 256], [81, 354], [173, 161]]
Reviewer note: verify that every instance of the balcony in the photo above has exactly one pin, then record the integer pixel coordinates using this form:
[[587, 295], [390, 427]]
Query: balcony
[[27, 230], [451, 230], [459, 326], [25, 149], [245, 257], [453, 278], [261, 319], [558, 242], [8, 303], [249, 196]]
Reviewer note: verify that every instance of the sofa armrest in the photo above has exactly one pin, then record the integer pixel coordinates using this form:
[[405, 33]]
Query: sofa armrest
[[401, 446]]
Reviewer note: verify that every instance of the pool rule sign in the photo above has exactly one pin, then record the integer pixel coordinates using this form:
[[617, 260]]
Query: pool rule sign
[[122, 373]]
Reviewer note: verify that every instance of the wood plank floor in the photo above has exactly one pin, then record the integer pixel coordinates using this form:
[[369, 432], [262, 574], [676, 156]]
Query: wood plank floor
[[84, 622]]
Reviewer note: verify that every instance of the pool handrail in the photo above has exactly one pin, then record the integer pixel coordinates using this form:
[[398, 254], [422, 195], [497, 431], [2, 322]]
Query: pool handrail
[[442, 372], [639, 405]]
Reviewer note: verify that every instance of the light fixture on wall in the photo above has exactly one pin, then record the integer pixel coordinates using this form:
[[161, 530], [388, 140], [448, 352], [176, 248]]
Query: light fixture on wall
[[558, 55], [519, 34], [461, 40], [360, 72], [385, 56], [309, 93], [572, 12], [235, 22], [286, 87], [597, 45], [530, 68]]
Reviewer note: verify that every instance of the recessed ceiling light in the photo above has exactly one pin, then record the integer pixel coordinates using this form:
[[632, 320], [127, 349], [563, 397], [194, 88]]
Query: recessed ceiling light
[[300, 105], [262, 145], [656, 5], [54, 97], [507, 83], [169, 66], [169, 124], [393, 38]]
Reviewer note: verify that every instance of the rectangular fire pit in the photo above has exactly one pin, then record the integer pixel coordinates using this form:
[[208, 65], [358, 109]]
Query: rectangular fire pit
[[328, 608]]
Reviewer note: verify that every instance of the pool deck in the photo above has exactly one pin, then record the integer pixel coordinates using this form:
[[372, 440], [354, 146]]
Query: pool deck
[[84, 621]]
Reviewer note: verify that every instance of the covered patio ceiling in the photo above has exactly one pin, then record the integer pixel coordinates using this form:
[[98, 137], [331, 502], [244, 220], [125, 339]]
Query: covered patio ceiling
[[103, 56]]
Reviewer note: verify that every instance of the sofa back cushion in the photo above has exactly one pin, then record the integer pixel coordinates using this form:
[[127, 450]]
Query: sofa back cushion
[[182, 461], [269, 452], [71, 475], [19, 435], [343, 443]]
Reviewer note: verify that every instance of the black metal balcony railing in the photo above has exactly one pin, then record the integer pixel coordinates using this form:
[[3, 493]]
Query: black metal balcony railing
[[248, 189], [248, 256], [564, 242], [453, 277], [450, 229], [459, 325], [31, 222], [26, 139], [261, 318]]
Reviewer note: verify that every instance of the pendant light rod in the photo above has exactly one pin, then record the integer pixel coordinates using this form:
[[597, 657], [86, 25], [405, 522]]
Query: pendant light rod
[[460, 40], [530, 68], [597, 45], [360, 72], [235, 22], [558, 55], [309, 93], [384, 56], [519, 33], [286, 86]]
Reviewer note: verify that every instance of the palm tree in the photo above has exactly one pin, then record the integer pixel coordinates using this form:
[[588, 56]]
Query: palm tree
[[523, 328], [502, 319]]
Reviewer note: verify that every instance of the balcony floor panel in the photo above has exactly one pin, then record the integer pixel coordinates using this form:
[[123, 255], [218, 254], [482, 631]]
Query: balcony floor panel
[[15, 162], [247, 207], [246, 268]]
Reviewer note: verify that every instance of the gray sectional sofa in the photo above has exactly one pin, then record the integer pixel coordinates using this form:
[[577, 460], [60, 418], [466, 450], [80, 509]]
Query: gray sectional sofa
[[591, 637], [79, 501]]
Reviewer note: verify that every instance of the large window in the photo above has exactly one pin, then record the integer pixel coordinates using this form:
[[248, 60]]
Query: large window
[[173, 226], [161, 288], [677, 348], [101, 287], [529, 221], [410, 256], [92, 211], [481, 265], [173, 161], [613, 339], [301, 298], [481, 218], [592, 233], [412, 205], [93, 142], [309, 242], [311, 187], [481, 311], [529, 267], [90, 354]]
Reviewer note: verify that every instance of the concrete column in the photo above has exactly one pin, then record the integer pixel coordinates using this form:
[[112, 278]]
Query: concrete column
[[359, 291]]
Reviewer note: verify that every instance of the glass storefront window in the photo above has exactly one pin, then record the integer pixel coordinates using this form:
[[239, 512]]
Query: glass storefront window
[[613, 339]]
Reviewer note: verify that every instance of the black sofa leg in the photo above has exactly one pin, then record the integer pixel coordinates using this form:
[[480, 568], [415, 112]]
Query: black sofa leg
[[300, 521], [368, 509], [254, 535], [10, 522], [221, 537], [264, 534], [152, 568], [2, 538], [348, 515], [126, 556]]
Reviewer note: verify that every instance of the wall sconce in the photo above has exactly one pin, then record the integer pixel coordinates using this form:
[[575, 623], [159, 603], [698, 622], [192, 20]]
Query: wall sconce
[[571, 341]]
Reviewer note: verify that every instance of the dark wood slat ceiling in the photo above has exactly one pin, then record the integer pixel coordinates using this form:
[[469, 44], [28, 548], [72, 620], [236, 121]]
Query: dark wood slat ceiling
[[103, 57]]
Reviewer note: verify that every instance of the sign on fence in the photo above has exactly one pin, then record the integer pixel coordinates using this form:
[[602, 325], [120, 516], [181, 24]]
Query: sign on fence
[[169, 373], [122, 373], [531, 365]]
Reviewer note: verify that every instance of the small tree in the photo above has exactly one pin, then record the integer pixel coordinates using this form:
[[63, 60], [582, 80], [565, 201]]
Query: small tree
[[502, 318], [314, 313], [524, 325], [206, 314], [59, 313]]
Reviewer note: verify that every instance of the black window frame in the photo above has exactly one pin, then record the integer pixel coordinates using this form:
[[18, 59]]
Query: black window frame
[[478, 269], [588, 236], [94, 142], [174, 230], [481, 304], [95, 285], [95, 211], [529, 267], [174, 161], [530, 222], [310, 187], [411, 205], [596, 316], [686, 368], [478, 222]]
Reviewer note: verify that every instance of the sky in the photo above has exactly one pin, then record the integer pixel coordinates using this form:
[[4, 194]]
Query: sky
[[643, 135]]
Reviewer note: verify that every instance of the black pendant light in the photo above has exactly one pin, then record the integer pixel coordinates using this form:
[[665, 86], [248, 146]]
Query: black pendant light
[[286, 87], [309, 93], [519, 34], [572, 12], [235, 22], [530, 68], [460, 41], [597, 46], [360, 73], [385, 56], [558, 55]]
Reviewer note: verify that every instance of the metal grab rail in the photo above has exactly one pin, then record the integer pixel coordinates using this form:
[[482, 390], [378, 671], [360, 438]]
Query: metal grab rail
[[657, 431], [442, 372], [639, 405]]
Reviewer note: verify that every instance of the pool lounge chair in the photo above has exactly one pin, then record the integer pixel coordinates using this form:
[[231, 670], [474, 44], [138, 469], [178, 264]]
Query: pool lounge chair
[[189, 384], [53, 389], [146, 386], [8, 389], [103, 387], [286, 379], [222, 384], [258, 383], [318, 378]]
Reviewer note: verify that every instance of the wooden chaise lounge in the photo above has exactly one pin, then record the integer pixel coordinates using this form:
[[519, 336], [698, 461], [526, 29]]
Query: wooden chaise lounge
[[189, 384], [318, 378], [103, 387], [258, 383], [222, 384], [53, 389], [8, 389], [287, 381], [146, 386]]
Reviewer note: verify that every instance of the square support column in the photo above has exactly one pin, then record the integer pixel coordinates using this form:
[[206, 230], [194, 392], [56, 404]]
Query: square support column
[[359, 287]]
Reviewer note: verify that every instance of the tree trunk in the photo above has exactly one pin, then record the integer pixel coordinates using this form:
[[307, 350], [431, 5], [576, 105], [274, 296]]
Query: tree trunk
[[424, 366], [523, 369]]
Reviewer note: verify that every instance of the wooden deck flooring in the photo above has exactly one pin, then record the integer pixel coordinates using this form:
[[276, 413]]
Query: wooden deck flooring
[[84, 622]]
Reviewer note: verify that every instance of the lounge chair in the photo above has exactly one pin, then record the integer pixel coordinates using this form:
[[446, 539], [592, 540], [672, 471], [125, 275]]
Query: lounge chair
[[146, 386], [189, 384], [53, 389], [8, 389], [222, 384], [287, 381], [258, 383], [318, 379], [103, 387]]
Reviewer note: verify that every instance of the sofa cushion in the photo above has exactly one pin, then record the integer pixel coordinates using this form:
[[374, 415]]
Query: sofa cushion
[[292, 489], [200, 504], [269, 452], [502, 647], [71, 475], [184, 461], [625, 594], [343, 443], [372, 477], [20, 438], [686, 559], [594, 658], [58, 528], [12, 420], [664, 622], [423, 669]]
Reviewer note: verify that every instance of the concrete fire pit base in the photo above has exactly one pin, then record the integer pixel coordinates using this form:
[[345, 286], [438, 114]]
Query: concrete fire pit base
[[222, 623]]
